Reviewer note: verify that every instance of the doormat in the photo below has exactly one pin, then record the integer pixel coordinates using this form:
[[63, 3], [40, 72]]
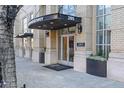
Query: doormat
[[58, 67]]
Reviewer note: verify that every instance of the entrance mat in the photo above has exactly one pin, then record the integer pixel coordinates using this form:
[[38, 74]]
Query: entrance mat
[[58, 67]]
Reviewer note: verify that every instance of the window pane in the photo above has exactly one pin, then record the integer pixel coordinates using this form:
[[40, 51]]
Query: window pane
[[68, 9], [107, 21], [99, 51], [25, 25], [99, 37], [106, 51], [107, 9], [107, 35], [25, 42], [32, 18], [99, 10], [99, 23]]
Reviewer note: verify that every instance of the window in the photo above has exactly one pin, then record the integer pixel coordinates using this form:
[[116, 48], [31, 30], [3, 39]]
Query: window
[[31, 17], [103, 32], [67, 9], [32, 31], [25, 28]]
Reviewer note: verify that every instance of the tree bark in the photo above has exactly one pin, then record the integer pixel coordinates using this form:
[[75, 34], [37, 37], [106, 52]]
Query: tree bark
[[7, 54]]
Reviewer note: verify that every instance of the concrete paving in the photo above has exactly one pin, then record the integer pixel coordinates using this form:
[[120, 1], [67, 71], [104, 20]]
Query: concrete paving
[[34, 75]]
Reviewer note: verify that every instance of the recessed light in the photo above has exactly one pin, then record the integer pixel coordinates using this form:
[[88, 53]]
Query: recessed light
[[39, 26], [51, 23], [44, 26], [65, 24]]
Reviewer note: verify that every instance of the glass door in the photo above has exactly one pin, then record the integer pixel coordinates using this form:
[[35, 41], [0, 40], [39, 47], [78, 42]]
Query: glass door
[[67, 48], [71, 48], [64, 54]]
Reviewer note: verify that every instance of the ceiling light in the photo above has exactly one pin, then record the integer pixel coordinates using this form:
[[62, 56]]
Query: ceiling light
[[65, 24], [51, 23], [44, 26], [39, 26]]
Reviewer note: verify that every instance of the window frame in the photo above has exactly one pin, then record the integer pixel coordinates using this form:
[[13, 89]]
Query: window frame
[[104, 31]]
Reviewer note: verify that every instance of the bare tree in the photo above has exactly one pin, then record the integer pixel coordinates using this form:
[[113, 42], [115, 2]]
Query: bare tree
[[7, 55]]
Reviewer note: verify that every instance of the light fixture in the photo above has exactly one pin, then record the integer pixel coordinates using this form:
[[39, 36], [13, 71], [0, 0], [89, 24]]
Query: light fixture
[[44, 26], [51, 23], [47, 33], [39, 26], [79, 26], [65, 24]]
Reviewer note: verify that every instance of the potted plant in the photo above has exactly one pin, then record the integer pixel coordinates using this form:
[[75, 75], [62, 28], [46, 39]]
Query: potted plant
[[97, 65]]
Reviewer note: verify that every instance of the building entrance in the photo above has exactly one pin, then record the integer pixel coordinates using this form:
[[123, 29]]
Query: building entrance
[[67, 48]]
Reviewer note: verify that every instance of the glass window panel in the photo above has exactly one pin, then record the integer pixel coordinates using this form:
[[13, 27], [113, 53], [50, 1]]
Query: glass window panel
[[68, 9], [99, 10], [32, 16], [25, 25], [64, 48], [99, 50], [107, 9], [59, 47], [99, 23], [103, 48], [99, 37], [107, 36], [106, 51], [107, 22]]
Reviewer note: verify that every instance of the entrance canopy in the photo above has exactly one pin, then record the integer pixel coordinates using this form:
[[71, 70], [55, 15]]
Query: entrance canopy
[[24, 35], [54, 21]]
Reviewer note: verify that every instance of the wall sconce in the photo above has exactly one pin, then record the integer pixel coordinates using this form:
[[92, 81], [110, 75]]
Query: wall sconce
[[47, 33], [79, 28]]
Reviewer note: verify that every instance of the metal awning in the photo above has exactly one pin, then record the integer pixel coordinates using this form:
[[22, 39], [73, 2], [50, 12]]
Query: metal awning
[[54, 21], [24, 35]]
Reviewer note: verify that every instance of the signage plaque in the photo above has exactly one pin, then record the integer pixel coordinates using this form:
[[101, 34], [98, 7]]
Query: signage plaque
[[80, 44]]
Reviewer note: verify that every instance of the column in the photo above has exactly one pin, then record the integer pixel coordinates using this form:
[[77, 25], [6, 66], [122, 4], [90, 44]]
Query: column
[[115, 63], [83, 41], [51, 52]]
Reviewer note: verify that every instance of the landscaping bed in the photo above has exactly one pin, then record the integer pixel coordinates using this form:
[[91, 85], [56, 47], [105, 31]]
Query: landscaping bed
[[97, 66]]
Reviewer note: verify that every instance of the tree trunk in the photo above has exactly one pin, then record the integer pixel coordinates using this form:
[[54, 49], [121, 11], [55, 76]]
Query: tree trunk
[[7, 55]]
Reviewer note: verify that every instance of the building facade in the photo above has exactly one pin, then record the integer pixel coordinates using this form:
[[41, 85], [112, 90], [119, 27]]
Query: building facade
[[69, 34]]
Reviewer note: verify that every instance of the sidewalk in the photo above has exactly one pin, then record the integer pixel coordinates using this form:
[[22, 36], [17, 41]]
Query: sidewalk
[[36, 76]]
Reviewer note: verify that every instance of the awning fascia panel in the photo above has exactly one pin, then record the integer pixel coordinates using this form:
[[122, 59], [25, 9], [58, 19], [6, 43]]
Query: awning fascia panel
[[24, 35], [54, 21]]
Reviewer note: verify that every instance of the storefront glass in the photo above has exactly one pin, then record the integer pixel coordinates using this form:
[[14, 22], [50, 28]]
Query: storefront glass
[[103, 36], [66, 44]]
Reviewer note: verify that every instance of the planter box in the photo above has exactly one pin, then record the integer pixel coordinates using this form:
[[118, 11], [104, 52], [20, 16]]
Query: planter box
[[96, 67]]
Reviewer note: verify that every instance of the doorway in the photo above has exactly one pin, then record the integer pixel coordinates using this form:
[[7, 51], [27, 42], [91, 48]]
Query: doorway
[[67, 49]]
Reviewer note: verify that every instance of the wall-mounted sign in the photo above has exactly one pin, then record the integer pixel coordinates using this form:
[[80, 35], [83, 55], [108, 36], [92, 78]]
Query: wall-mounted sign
[[80, 44]]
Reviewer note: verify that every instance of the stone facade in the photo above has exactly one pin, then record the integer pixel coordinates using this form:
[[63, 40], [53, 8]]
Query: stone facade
[[38, 36], [116, 57], [49, 45]]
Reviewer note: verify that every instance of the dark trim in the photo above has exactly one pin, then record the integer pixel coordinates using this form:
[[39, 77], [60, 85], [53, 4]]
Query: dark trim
[[25, 35], [54, 21]]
